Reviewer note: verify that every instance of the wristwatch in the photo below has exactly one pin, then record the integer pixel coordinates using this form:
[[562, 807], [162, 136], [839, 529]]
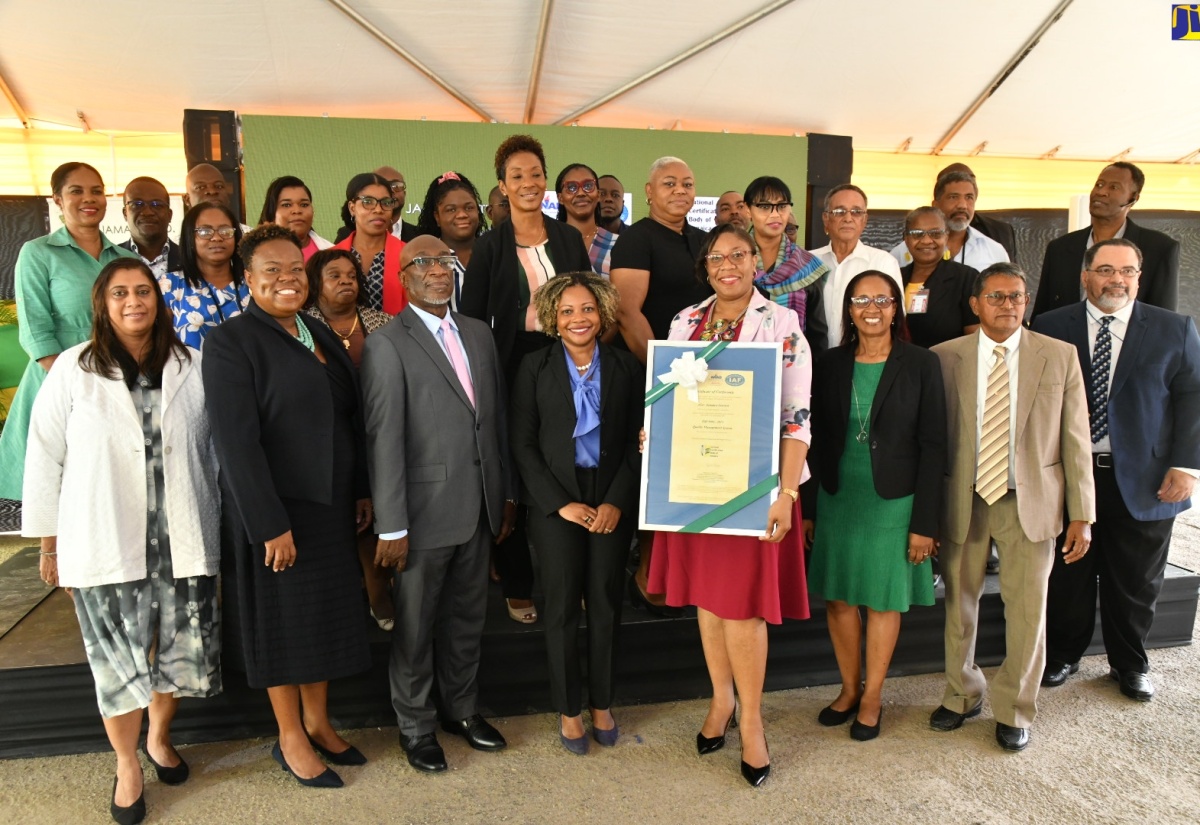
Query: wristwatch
[[794, 495]]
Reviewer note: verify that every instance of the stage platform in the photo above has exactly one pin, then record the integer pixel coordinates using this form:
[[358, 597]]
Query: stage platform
[[49, 705]]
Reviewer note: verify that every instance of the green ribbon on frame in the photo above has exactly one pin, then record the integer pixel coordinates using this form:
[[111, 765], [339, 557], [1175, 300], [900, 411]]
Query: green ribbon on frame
[[718, 514], [662, 390]]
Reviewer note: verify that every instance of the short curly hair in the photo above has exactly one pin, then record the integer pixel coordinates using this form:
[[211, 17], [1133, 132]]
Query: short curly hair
[[548, 296], [260, 235], [517, 143]]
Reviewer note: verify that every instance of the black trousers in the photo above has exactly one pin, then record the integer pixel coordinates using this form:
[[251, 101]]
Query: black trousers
[[1125, 567], [514, 565], [575, 564]]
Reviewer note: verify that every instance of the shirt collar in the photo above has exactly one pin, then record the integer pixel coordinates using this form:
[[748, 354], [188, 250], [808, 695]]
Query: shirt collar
[[987, 346], [1095, 313], [432, 321], [1120, 233]]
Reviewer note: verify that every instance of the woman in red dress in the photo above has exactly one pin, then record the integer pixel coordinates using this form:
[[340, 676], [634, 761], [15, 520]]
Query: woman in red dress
[[739, 583]]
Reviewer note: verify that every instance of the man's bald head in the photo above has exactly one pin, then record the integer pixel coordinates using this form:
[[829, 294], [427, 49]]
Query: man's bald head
[[429, 283], [205, 182], [423, 246]]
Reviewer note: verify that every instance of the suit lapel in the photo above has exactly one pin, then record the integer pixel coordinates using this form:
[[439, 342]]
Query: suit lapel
[[421, 334], [891, 368], [967, 376], [1135, 334], [1029, 376], [608, 369], [121, 396], [174, 374]]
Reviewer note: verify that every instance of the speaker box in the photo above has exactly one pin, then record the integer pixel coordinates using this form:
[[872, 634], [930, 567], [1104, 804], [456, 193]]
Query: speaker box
[[830, 163], [214, 137]]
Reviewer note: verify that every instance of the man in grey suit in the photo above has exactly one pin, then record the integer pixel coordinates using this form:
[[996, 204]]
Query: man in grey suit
[[443, 488]]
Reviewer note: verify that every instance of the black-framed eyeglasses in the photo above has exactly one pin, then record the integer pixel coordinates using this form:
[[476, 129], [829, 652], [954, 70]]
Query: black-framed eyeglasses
[[842, 212], [918, 234], [397, 186], [999, 299], [140, 204], [572, 187], [1109, 271], [424, 263], [715, 260], [773, 207], [207, 232], [368, 202], [864, 301]]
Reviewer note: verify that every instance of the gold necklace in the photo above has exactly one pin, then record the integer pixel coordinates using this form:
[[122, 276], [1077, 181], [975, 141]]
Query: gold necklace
[[346, 338]]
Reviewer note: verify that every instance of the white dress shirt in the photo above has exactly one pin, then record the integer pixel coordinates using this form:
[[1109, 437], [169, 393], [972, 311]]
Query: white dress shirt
[[978, 252], [987, 360], [860, 259]]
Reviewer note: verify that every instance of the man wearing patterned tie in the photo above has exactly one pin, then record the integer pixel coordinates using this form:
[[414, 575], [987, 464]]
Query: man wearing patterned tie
[[1017, 423], [1143, 368], [437, 450]]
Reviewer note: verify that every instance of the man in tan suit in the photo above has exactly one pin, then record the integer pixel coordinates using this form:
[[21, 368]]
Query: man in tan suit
[[1020, 450]]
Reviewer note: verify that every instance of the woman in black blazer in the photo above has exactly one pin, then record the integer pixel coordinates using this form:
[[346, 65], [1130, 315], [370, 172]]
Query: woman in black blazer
[[576, 412], [937, 292], [879, 453], [282, 399], [507, 266]]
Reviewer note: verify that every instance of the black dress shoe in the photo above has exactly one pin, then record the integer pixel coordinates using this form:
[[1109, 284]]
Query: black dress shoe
[[326, 779], [711, 744], [865, 733], [479, 734], [944, 719], [1135, 685], [423, 752], [132, 814], [350, 756], [168, 776], [831, 718], [1057, 672], [1010, 738]]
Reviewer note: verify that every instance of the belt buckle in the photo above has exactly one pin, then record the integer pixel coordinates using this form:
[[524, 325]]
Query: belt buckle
[[1103, 460]]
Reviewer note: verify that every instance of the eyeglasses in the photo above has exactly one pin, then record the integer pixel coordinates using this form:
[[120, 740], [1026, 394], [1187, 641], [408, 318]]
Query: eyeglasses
[[773, 207], [425, 263], [368, 202], [918, 234], [864, 301], [207, 232], [998, 299], [452, 209], [143, 204], [1109, 271], [840, 212], [397, 186], [716, 259], [572, 187]]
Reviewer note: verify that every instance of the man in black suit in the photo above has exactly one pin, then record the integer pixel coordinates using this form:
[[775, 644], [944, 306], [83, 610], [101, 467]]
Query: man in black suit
[[399, 187], [1143, 369], [147, 210], [1116, 191], [443, 487]]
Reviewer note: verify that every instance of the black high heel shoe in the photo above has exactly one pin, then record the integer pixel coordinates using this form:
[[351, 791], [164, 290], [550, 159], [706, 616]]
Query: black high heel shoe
[[132, 814], [326, 779], [168, 776], [711, 744], [757, 776]]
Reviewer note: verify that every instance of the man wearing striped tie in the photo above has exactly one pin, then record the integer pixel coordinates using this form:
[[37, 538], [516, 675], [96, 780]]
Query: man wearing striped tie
[[1017, 421], [1143, 369]]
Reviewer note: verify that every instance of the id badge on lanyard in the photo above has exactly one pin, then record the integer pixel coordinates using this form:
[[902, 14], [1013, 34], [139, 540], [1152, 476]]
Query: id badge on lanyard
[[919, 304]]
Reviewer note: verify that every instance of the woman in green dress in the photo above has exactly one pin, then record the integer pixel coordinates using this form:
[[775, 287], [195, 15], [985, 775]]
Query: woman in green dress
[[54, 277], [879, 452]]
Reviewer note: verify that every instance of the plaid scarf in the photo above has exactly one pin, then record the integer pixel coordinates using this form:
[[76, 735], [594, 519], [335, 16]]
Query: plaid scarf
[[793, 270]]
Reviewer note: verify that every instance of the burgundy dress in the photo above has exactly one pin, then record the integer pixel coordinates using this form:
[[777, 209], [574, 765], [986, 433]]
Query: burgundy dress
[[733, 577]]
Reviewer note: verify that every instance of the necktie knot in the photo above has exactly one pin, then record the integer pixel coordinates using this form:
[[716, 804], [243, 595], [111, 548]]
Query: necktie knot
[[1000, 352]]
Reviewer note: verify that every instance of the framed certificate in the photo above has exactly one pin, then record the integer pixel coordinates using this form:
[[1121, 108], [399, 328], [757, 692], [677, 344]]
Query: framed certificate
[[711, 462]]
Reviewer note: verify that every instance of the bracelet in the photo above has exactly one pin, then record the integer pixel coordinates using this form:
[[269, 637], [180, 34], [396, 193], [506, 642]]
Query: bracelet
[[40, 553], [794, 495]]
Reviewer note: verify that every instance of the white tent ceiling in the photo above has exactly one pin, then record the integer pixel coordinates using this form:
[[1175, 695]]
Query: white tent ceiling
[[1105, 78]]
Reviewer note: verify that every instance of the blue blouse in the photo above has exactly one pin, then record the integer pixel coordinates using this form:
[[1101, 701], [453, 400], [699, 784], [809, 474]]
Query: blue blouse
[[196, 310], [585, 389]]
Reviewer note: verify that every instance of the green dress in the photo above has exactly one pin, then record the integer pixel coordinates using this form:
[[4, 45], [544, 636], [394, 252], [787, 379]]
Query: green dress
[[54, 279], [860, 550]]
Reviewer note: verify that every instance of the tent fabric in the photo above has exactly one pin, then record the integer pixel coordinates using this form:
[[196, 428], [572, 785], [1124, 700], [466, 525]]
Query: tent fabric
[[1105, 80]]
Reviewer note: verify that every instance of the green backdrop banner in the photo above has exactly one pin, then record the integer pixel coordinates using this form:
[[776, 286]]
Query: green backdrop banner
[[327, 152]]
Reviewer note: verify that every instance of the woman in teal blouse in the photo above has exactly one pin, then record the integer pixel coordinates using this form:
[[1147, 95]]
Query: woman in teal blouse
[[54, 277]]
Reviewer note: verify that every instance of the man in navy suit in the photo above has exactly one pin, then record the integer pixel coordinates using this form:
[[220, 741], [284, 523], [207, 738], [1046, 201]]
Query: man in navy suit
[[1142, 365], [1116, 191]]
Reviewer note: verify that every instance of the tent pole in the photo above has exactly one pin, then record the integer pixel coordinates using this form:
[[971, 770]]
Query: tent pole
[[539, 52], [16, 104], [383, 38], [1008, 69], [726, 32]]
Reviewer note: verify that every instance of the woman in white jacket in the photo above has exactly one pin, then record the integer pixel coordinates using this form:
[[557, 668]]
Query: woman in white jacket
[[120, 448]]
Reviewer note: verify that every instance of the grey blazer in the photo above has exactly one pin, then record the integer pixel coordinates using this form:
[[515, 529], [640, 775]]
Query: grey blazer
[[433, 460]]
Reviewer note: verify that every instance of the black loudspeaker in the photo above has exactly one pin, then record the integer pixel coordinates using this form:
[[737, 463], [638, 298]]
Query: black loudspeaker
[[215, 137], [22, 218], [830, 163]]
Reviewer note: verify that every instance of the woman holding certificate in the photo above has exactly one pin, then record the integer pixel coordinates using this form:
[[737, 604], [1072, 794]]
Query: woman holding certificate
[[879, 449], [576, 410], [739, 584]]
